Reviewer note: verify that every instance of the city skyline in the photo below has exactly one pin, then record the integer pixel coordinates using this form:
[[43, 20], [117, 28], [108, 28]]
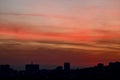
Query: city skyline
[[33, 72]]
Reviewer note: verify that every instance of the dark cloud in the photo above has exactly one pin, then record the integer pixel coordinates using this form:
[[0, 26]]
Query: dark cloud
[[14, 51]]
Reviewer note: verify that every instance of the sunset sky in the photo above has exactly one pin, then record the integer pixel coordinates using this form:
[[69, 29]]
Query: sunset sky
[[51, 32]]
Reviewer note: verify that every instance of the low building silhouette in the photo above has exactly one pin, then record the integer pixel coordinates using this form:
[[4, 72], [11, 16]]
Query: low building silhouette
[[32, 67], [59, 68], [5, 68]]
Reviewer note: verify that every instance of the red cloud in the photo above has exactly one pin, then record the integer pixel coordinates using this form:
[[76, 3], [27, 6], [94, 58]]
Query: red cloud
[[32, 35]]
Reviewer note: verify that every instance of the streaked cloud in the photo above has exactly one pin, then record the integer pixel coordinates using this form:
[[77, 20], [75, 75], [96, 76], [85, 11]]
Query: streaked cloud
[[83, 32], [83, 55], [41, 15]]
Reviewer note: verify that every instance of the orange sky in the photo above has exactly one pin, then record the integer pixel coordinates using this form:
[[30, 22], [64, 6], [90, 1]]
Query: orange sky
[[86, 30]]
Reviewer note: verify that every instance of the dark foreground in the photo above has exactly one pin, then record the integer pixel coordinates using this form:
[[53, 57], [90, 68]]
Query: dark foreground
[[32, 72]]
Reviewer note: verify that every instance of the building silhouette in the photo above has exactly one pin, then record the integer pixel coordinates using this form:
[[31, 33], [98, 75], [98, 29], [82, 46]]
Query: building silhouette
[[59, 68], [66, 66], [4, 68], [32, 67]]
